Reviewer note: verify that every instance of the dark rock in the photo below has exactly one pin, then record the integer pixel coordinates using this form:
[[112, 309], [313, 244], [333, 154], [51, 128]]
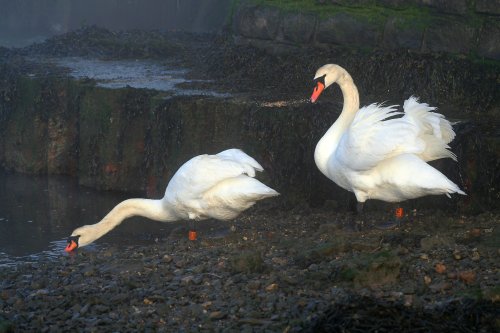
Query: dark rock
[[489, 40], [257, 22], [348, 30], [402, 33], [445, 6], [488, 6], [355, 3], [298, 28], [448, 36]]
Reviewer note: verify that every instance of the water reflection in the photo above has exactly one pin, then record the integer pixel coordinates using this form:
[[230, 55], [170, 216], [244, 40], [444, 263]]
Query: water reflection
[[38, 213], [147, 74]]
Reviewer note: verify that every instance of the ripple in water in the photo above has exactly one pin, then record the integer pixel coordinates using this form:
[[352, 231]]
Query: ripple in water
[[37, 214]]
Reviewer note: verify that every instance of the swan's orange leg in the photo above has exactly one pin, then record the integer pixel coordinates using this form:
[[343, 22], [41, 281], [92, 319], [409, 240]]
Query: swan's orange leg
[[399, 212], [192, 231], [192, 235], [395, 221]]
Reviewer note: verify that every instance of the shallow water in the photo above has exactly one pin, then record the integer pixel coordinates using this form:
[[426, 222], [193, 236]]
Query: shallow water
[[146, 74], [37, 214]]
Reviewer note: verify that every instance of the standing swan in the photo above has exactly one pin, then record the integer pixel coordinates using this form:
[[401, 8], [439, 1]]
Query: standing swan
[[217, 186], [377, 156]]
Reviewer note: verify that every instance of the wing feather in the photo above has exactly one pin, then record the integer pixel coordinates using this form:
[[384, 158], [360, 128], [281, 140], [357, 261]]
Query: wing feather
[[434, 129], [375, 136], [203, 172]]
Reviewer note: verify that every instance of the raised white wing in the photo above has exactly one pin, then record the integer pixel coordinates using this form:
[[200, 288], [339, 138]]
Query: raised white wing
[[203, 172], [434, 129], [375, 136], [239, 156]]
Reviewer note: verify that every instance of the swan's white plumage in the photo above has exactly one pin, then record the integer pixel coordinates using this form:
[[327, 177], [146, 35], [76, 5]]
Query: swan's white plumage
[[217, 186], [380, 153]]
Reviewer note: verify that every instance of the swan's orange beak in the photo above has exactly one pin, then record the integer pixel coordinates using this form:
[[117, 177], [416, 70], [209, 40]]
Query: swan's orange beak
[[320, 86], [72, 244]]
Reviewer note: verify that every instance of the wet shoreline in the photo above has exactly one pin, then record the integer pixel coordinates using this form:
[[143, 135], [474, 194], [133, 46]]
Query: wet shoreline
[[272, 271]]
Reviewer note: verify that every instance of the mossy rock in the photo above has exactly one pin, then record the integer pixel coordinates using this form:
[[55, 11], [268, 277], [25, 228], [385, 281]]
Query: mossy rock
[[247, 262], [6, 326], [321, 252], [380, 269], [372, 270], [492, 294]]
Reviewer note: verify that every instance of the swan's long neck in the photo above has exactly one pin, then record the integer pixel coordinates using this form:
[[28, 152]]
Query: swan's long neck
[[158, 210], [327, 145]]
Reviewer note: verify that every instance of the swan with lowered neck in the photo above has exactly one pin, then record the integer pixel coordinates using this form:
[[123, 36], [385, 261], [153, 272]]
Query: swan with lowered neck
[[377, 156], [217, 186]]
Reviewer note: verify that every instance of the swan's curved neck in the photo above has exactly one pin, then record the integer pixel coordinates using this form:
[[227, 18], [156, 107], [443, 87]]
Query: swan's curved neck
[[327, 145], [157, 210]]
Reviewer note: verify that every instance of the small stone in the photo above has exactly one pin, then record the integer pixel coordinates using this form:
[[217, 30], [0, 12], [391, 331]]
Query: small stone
[[216, 315], [167, 258], [206, 305], [279, 261], [147, 301], [440, 268], [427, 280], [187, 280], [408, 300], [467, 276], [476, 232], [180, 263], [424, 256], [272, 287], [457, 255], [475, 255], [440, 286]]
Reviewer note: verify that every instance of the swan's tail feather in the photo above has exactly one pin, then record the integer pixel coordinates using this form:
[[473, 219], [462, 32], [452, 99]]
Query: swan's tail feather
[[435, 130], [453, 188], [232, 196], [436, 149], [458, 191]]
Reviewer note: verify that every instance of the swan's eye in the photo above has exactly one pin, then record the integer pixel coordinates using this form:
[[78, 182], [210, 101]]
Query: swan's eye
[[73, 239], [320, 79]]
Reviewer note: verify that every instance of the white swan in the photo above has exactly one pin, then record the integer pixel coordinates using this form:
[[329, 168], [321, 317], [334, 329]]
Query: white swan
[[376, 155], [217, 186]]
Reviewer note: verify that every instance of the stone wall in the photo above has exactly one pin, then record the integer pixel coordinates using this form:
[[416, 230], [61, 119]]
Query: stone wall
[[464, 27], [134, 140]]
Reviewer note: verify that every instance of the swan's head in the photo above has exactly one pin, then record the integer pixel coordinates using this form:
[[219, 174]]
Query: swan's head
[[325, 76], [79, 237]]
